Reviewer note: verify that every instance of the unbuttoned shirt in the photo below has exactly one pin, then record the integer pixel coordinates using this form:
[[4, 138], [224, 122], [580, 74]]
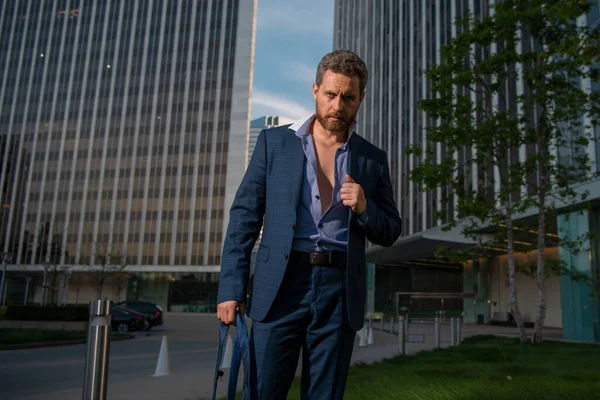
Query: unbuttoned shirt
[[317, 230]]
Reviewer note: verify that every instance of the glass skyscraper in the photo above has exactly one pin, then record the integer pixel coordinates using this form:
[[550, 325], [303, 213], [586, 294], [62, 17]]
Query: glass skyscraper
[[399, 40], [122, 131]]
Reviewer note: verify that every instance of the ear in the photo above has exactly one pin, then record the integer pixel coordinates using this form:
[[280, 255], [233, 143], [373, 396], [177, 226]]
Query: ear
[[315, 90], [362, 95]]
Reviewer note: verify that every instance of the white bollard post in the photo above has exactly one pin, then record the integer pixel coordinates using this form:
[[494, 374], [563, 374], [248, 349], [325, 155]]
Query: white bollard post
[[458, 330], [452, 332], [362, 338]]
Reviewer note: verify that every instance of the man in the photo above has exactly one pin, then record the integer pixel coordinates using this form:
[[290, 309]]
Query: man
[[321, 190]]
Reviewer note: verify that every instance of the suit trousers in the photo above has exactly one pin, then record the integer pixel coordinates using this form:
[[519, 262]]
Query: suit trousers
[[308, 315]]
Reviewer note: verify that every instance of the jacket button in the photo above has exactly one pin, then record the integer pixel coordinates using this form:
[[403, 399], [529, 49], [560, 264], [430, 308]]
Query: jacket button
[[286, 256]]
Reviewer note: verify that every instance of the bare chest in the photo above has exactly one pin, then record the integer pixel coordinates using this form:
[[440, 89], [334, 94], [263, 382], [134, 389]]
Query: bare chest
[[326, 163], [325, 173]]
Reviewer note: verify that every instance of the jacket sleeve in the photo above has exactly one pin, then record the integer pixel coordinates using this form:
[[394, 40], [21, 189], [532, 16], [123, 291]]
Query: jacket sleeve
[[382, 224], [245, 221]]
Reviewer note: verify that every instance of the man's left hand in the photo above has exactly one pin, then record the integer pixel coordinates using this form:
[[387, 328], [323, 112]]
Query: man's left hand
[[353, 196]]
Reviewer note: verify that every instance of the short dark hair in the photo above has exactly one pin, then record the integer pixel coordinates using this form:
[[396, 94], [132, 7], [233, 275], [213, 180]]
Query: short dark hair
[[343, 62]]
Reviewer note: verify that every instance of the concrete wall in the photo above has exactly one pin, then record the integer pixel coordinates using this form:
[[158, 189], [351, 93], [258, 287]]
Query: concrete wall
[[526, 290]]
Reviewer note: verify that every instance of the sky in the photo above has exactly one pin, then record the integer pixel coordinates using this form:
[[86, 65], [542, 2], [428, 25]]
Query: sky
[[291, 38]]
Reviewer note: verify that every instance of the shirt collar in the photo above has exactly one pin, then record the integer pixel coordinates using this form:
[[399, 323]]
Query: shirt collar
[[302, 127]]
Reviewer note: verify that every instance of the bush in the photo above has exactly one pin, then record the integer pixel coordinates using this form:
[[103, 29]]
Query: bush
[[48, 313]]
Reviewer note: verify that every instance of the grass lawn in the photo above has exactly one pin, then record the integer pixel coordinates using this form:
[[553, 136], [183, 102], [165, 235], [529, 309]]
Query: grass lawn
[[483, 367], [22, 336]]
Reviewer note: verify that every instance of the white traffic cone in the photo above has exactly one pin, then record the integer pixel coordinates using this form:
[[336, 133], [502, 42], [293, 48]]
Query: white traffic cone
[[227, 353], [363, 338], [370, 341], [162, 365]]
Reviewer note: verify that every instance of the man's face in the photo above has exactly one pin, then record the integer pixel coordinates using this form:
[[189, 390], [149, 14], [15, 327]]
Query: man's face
[[337, 101]]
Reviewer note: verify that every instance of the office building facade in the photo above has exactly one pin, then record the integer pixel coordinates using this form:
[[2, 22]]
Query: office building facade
[[122, 124], [399, 40], [257, 125]]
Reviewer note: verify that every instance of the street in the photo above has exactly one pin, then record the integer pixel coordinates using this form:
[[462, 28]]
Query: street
[[57, 372]]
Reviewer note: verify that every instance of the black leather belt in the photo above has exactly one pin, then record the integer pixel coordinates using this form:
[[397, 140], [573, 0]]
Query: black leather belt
[[318, 258]]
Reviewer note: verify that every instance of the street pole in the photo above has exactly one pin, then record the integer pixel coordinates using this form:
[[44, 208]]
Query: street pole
[[436, 332], [401, 335], [5, 292], [4, 266], [28, 283], [45, 289], [98, 346]]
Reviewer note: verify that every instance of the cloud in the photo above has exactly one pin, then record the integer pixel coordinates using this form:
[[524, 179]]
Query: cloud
[[296, 17], [300, 72], [270, 103]]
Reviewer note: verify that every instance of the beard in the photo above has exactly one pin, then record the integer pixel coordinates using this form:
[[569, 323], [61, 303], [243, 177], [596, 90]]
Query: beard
[[334, 126]]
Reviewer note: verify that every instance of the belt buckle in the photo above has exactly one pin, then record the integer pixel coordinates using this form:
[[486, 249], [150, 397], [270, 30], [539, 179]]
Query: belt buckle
[[317, 258]]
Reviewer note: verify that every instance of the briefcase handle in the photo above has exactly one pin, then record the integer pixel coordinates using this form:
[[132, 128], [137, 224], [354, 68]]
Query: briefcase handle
[[241, 353]]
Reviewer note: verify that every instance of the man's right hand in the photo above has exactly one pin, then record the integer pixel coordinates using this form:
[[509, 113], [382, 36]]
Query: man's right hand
[[226, 311]]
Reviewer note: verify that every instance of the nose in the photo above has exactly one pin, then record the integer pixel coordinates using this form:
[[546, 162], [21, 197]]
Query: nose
[[338, 103]]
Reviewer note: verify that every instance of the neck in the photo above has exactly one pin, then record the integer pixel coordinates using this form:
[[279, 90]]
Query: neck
[[321, 134]]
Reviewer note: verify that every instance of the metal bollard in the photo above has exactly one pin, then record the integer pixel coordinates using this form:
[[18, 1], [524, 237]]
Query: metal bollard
[[382, 321], [436, 333], [392, 325], [401, 335], [452, 332], [458, 330], [406, 323], [370, 321], [98, 345]]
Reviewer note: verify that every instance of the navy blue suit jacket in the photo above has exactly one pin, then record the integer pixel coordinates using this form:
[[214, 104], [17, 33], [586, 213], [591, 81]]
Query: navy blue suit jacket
[[271, 190]]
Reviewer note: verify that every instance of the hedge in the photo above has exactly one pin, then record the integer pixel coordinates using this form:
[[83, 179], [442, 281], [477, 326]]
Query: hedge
[[47, 313]]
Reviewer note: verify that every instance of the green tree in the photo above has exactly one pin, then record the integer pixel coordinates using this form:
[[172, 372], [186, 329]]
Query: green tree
[[107, 265], [504, 148]]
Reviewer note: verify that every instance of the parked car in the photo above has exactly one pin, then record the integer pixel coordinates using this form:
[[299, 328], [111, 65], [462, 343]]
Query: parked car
[[152, 311], [123, 320]]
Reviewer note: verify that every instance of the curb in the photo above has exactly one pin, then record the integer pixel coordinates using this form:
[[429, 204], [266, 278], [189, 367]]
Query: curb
[[55, 344]]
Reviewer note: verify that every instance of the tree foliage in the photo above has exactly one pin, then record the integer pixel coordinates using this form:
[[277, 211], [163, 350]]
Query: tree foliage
[[514, 118]]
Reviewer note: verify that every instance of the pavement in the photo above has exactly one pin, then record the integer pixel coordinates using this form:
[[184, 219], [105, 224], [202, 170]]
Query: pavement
[[57, 372]]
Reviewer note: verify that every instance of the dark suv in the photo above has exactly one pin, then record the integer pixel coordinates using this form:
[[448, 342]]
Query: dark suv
[[153, 312]]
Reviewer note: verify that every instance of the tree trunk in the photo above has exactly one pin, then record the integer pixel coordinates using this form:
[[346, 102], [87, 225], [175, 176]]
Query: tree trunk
[[540, 315], [512, 278], [99, 289]]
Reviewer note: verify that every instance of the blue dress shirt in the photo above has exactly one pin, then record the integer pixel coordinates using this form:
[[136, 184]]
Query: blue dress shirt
[[317, 230]]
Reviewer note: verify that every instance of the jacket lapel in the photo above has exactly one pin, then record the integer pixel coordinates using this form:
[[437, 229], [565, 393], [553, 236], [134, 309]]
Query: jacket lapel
[[357, 159], [356, 164], [295, 155]]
